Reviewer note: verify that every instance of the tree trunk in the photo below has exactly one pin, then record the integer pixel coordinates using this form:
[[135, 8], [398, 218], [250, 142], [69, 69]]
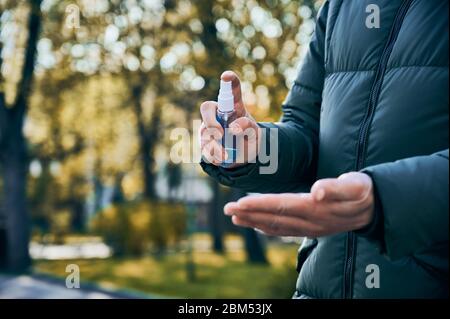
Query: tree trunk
[[15, 167], [254, 247], [147, 141], [147, 166], [216, 219], [14, 162], [13, 155]]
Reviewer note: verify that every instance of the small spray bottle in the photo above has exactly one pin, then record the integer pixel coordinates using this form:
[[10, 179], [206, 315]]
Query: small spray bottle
[[225, 116]]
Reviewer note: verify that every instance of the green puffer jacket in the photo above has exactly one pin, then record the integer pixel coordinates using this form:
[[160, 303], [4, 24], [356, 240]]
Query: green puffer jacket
[[372, 100]]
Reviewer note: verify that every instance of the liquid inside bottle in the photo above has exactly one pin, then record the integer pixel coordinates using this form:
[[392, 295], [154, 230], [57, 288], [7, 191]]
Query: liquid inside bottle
[[228, 139]]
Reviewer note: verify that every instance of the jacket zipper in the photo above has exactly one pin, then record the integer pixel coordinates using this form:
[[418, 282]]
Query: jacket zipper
[[364, 130]]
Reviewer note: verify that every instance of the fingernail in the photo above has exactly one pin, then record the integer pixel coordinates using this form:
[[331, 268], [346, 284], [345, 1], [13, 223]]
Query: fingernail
[[320, 194], [241, 204], [227, 212]]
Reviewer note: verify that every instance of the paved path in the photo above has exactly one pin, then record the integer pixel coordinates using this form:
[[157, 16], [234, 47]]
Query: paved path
[[70, 251], [37, 287]]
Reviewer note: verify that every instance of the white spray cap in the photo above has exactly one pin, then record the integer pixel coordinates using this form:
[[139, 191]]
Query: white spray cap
[[226, 98]]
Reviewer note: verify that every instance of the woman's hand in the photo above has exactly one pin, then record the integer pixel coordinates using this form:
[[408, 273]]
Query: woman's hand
[[334, 206]]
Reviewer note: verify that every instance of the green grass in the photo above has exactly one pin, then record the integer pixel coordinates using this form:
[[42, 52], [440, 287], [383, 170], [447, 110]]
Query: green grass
[[217, 276]]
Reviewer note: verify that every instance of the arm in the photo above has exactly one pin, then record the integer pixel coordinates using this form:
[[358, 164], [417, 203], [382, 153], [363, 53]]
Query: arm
[[413, 204], [297, 132]]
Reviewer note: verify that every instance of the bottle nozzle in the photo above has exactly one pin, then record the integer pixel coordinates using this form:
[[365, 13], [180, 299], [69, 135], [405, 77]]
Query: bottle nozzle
[[226, 98]]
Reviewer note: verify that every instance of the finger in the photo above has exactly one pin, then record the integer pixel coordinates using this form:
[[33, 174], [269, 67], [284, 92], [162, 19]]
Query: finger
[[208, 158], [214, 153], [208, 111], [217, 150], [243, 223], [230, 76], [200, 131], [231, 207], [334, 213], [206, 136], [281, 204], [247, 134], [244, 126], [278, 225], [210, 134], [352, 186]]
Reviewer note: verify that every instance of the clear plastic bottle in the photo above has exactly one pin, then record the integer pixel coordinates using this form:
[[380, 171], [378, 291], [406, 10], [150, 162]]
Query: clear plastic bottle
[[225, 116]]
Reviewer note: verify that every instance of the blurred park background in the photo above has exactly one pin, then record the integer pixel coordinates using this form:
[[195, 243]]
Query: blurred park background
[[89, 93]]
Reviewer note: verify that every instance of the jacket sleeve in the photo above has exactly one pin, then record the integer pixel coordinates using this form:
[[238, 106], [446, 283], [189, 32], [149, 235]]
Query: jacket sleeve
[[413, 203], [296, 134]]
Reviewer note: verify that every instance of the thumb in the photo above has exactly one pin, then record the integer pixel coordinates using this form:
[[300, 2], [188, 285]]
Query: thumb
[[230, 76], [349, 186]]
